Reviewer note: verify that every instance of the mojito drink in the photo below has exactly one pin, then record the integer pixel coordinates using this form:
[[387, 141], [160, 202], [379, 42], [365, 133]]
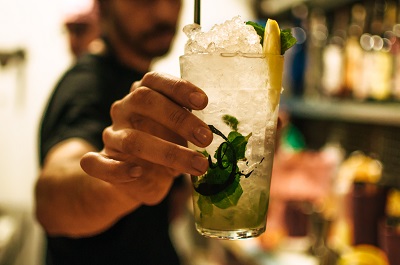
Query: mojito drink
[[230, 200]]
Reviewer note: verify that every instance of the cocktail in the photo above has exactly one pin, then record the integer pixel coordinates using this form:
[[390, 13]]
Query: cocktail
[[243, 84]]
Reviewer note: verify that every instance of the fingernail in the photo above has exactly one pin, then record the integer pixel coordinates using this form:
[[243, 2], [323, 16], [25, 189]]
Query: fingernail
[[203, 135], [197, 99], [200, 163], [135, 172]]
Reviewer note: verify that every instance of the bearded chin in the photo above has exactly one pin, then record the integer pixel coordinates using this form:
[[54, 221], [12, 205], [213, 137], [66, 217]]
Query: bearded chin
[[146, 47], [156, 52], [152, 47]]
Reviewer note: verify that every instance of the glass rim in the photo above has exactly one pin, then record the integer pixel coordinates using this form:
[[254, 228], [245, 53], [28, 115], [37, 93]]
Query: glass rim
[[235, 54]]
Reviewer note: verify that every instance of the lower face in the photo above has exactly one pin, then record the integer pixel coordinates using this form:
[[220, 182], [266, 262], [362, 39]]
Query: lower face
[[147, 26]]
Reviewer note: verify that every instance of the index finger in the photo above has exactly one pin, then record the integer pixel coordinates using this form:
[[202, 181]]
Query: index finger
[[176, 89]]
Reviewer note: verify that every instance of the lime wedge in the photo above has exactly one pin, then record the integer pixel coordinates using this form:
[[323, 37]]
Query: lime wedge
[[272, 46]]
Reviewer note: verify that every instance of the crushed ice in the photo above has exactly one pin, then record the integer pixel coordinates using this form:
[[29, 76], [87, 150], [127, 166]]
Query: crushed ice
[[232, 36]]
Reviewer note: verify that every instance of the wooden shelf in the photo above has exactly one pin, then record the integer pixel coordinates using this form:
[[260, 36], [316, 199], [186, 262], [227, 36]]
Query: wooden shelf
[[387, 113]]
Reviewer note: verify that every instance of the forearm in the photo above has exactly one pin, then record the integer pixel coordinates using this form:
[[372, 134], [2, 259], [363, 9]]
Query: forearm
[[71, 203], [75, 208]]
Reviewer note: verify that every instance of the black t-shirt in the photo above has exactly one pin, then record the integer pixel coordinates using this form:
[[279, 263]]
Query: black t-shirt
[[79, 107]]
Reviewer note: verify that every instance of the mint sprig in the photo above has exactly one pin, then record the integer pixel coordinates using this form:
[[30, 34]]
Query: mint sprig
[[220, 185], [287, 39]]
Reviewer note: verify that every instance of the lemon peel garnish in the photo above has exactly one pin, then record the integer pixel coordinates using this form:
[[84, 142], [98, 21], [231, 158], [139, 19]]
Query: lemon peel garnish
[[272, 51], [272, 38]]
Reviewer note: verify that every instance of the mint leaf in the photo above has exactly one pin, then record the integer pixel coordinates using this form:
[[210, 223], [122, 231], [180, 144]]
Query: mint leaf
[[231, 122], [216, 175], [205, 205], [228, 197], [239, 143], [233, 135], [204, 153], [287, 39]]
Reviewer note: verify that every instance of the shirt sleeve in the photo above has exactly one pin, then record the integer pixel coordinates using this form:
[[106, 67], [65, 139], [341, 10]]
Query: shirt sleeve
[[77, 109]]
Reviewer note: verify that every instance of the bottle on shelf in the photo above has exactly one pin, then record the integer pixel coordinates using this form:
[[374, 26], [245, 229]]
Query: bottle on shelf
[[396, 62], [317, 36], [333, 55], [396, 54], [381, 60], [354, 80]]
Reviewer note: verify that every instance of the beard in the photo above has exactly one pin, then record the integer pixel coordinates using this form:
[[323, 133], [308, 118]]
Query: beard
[[154, 42]]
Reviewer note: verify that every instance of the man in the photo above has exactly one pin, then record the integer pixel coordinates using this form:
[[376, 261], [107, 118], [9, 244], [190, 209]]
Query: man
[[80, 18], [117, 212]]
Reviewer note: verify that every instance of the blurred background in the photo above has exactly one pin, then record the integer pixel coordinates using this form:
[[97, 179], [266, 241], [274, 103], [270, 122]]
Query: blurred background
[[335, 191]]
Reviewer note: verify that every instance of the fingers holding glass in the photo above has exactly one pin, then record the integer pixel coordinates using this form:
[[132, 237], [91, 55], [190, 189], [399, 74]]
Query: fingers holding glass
[[176, 89], [152, 105], [130, 144]]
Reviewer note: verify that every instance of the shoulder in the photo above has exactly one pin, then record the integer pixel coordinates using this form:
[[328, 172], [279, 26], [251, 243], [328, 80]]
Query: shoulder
[[83, 79]]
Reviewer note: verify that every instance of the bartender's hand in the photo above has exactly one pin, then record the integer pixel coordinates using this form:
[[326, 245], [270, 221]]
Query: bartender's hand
[[145, 147]]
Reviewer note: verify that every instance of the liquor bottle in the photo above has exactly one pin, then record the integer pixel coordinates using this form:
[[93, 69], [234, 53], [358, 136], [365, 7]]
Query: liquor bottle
[[396, 63], [396, 55], [354, 55], [381, 59], [333, 55], [299, 52], [317, 36]]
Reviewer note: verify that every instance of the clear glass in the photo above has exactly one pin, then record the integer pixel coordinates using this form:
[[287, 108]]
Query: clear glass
[[231, 200]]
